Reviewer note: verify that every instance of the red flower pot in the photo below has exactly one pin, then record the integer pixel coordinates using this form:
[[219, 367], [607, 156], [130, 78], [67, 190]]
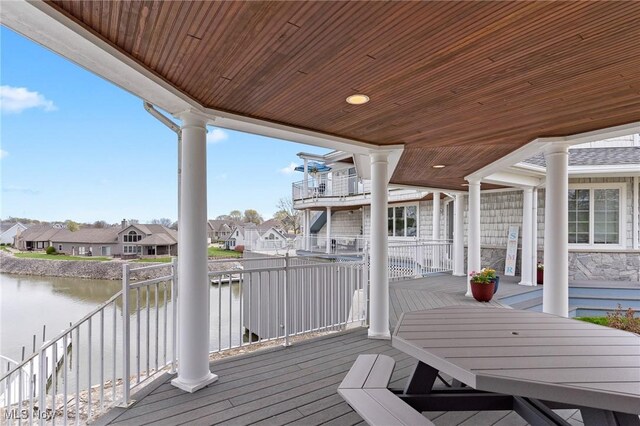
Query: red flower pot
[[482, 292], [540, 276]]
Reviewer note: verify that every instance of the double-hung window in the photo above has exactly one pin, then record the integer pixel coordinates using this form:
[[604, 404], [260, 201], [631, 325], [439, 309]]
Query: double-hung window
[[403, 221], [596, 214]]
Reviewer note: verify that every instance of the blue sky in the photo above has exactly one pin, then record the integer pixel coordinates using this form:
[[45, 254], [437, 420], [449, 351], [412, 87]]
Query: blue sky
[[74, 146]]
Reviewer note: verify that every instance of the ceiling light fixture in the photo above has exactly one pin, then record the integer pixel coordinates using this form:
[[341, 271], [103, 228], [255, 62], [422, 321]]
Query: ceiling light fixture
[[439, 166], [357, 99]]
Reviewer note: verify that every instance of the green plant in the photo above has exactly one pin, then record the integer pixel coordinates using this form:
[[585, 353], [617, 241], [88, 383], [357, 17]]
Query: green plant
[[51, 250], [485, 276]]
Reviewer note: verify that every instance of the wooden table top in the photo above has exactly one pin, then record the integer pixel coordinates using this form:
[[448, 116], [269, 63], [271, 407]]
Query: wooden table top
[[527, 354]]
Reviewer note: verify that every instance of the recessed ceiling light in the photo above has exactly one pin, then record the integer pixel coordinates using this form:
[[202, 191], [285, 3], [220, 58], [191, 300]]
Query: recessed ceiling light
[[439, 166], [358, 99]]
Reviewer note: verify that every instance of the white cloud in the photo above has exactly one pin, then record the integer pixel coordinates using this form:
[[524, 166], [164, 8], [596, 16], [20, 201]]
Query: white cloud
[[3, 153], [17, 99], [216, 135], [290, 169], [20, 189]]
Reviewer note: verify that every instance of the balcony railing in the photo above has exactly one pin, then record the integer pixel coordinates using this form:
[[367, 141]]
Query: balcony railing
[[330, 186]]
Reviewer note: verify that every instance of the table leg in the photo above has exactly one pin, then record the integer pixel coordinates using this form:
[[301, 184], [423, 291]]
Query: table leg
[[597, 417], [421, 380]]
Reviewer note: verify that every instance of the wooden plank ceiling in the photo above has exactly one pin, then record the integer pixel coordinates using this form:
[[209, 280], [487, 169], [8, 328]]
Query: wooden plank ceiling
[[460, 83]]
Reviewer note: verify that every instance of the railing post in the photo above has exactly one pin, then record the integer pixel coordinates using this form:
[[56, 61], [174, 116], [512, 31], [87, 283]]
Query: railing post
[[42, 386], [286, 301], [126, 343], [365, 280], [174, 312], [416, 271]]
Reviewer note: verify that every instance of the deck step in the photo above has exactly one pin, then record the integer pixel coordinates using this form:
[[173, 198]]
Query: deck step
[[528, 304]]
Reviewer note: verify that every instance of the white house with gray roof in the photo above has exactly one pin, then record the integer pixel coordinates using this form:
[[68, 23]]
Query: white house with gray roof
[[9, 230]]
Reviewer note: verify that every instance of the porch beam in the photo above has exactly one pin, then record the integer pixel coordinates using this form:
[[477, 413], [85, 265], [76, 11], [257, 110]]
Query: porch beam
[[193, 286], [379, 276], [555, 296]]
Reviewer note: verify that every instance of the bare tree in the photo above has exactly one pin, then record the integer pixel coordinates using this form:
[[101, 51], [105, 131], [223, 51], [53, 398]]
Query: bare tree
[[237, 215], [288, 217], [162, 221], [100, 224]]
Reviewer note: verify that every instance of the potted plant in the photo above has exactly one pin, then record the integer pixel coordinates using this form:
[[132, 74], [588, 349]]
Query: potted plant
[[483, 284], [540, 273]]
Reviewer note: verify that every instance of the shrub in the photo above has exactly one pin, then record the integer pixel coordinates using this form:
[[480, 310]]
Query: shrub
[[239, 249], [624, 320], [51, 250]]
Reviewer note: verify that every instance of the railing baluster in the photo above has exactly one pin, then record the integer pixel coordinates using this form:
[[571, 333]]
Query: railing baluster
[[31, 391], [157, 289], [126, 344], [65, 356], [219, 313], [89, 341], [174, 308], [148, 342], [77, 372], [114, 352], [164, 328], [137, 335], [101, 359], [54, 380]]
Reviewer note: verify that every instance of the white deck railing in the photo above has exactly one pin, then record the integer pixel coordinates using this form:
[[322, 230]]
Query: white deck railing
[[123, 342], [81, 372]]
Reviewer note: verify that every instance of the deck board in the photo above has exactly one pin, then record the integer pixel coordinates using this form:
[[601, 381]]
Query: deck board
[[297, 385]]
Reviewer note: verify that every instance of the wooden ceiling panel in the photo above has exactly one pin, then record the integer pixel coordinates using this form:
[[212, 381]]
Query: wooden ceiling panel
[[458, 82]]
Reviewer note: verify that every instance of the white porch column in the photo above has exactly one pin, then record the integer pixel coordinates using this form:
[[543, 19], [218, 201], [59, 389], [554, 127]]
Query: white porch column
[[193, 283], [305, 185], [534, 239], [306, 219], [328, 230], [436, 216], [555, 296], [379, 273], [527, 235], [473, 231], [458, 235]]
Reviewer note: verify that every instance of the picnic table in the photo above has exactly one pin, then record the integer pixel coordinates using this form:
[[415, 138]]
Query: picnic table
[[526, 361]]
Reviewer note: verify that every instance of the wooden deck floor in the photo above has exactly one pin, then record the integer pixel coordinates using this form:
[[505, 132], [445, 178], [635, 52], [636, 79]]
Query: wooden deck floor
[[297, 385]]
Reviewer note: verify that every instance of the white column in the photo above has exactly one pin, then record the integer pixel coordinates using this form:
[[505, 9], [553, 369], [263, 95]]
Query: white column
[[307, 229], [436, 216], [534, 239], [328, 230], [527, 235], [555, 296], [193, 284], [379, 276], [473, 232], [305, 185], [458, 235]]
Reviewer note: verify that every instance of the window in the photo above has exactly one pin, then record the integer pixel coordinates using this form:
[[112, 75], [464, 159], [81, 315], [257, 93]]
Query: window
[[595, 215], [402, 221], [132, 249], [59, 247], [132, 237]]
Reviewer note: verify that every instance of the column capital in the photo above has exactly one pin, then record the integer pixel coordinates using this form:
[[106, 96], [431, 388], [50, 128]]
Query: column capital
[[556, 148], [379, 156], [527, 189], [473, 181], [193, 118]]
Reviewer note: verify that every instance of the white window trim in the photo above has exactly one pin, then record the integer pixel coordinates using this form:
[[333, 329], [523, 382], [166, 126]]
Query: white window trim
[[622, 215], [404, 238]]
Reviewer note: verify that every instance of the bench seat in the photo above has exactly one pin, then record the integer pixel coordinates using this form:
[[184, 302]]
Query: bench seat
[[364, 388]]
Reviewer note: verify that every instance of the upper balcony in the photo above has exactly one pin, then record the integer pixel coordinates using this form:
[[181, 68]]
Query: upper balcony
[[330, 189]]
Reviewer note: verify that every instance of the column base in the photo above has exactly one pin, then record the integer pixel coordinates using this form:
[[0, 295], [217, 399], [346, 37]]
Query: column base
[[527, 283], [459, 274], [379, 336], [196, 385]]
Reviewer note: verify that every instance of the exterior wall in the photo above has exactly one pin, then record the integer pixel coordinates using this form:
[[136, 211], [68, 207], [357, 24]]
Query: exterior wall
[[7, 236], [343, 223], [96, 248], [502, 209]]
